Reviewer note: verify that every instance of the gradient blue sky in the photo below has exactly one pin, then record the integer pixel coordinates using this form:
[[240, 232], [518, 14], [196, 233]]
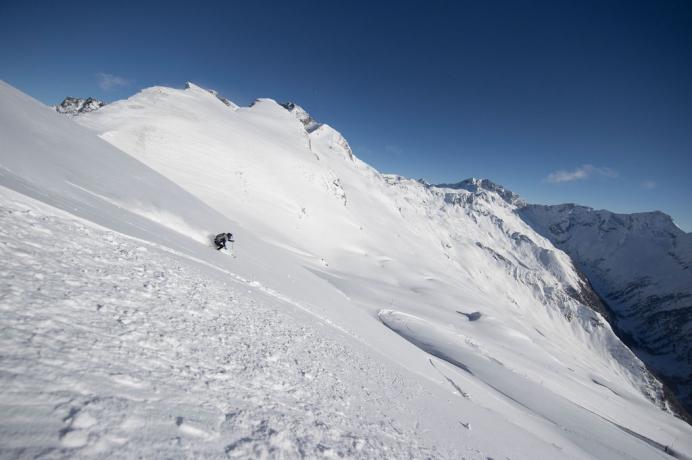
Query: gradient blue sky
[[587, 102]]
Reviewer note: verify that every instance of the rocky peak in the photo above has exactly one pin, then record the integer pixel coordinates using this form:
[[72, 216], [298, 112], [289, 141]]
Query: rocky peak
[[223, 99], [318, 130], [75, 105], [308, 122], [474, 185]]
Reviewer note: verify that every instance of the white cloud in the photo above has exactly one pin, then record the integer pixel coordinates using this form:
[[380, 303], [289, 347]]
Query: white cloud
[[581, 173], [109, 81], [649, 184]]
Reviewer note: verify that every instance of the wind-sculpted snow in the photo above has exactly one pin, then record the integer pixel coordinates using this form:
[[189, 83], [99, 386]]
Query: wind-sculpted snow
[[128, 334], [593, 434]]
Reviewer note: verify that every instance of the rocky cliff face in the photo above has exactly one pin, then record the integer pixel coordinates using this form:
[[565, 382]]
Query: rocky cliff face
[[474, 185], [640, 265], [75, 106]]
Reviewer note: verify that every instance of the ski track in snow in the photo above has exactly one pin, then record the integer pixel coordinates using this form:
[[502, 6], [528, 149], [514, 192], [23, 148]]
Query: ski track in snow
[[121, 350]]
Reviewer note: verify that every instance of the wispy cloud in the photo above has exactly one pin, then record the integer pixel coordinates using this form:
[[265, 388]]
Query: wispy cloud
[[581, 173], [109, 81], [649, 184]]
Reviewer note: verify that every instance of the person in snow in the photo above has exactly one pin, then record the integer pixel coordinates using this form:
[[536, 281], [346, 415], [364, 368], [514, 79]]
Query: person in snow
[[221, 240]]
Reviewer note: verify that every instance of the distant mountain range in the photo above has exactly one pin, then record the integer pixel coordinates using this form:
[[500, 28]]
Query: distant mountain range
[[640, 264]]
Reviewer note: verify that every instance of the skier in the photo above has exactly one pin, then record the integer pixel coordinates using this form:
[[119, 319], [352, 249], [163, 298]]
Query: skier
[[221, 239]]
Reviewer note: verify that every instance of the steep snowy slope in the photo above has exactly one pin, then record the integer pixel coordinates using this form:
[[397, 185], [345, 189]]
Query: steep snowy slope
[[641, 265], [365, 315], [125, 333], [113, 347]]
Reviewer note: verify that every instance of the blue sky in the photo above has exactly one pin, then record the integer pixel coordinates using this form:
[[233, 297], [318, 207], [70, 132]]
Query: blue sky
[[587, 102]]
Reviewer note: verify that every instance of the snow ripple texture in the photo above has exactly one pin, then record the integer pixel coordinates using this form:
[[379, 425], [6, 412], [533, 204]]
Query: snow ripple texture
[[122, 351]]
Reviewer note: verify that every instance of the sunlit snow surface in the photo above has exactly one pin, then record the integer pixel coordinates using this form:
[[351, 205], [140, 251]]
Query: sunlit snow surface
[[363, 316], [123, 348]]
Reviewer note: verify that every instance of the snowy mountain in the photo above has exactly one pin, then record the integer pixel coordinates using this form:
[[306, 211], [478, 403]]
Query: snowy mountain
[[75, 106], [474, 185], [363, 315], [640, 264], [218, 96]]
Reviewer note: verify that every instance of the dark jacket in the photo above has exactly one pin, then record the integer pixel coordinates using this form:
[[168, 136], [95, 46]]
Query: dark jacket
[[222, 238]]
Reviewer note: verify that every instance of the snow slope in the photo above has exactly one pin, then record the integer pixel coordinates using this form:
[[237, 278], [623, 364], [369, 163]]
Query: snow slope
[[124, 349], [364, 315], [640, 264]]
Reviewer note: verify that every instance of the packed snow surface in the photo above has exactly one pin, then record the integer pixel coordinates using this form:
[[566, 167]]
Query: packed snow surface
[[361, 315]]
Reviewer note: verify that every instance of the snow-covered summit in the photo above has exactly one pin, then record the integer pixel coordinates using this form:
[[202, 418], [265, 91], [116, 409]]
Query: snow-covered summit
[[310, 123], [319, 131], [76, 106], [475, 185], [650, 222], [191, 86]]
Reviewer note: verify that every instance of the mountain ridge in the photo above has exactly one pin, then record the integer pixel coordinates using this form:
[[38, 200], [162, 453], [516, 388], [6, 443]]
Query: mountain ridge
[[618, 299]]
